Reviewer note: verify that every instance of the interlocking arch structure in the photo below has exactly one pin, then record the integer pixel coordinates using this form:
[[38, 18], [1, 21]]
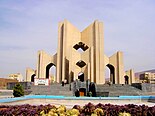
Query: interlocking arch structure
[[91, 61]]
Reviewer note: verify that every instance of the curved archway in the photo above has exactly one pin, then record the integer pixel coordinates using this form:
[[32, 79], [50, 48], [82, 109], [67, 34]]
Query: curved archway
[[126, 78], [32, 77], [112, 73], [48, 70]]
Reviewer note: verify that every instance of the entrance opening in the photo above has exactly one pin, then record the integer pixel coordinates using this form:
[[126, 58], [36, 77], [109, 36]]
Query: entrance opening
[[126, 79], [112, 73], [32, 77], [51, 72], [107, 75], [82, 92], [81, 76], [92, 89]]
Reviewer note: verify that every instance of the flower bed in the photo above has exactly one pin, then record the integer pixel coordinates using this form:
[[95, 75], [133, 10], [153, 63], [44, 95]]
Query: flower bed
[[87, 110]]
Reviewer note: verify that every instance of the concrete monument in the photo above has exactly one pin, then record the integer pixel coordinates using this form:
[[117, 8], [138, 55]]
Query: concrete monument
[[80, 55]]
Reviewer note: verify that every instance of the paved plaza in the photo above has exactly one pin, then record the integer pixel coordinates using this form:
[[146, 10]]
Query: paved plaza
[[71, 103]]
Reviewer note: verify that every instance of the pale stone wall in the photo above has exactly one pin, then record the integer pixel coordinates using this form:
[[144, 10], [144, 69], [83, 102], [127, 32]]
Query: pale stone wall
[[116, 60], [68, 36], [113, 62], [130, 74], [44, 60], [93, 37], [29, 73], [120, 67]]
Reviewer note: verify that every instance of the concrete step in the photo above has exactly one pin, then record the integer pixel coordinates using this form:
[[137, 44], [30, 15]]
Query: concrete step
[[54, 89], [117, 90]]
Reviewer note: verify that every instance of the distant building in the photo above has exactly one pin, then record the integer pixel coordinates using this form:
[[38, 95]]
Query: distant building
[[147, 77], [16, 76], [4, 81]]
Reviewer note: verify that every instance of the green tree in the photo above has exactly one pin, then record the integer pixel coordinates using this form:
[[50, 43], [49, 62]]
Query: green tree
[[18, 90]]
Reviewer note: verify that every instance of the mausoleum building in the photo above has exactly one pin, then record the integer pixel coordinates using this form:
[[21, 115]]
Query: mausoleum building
[[80, 55]]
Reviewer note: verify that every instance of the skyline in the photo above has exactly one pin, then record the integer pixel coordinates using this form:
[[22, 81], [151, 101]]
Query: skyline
[[129, 26]]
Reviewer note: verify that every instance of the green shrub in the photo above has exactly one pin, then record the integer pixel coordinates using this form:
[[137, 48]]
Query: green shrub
[[18, 90]]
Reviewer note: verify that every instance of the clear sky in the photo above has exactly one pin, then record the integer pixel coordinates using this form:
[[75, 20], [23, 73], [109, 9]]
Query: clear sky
[[27, 26]]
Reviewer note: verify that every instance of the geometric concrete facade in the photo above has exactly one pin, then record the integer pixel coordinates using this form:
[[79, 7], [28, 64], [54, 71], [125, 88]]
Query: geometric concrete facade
[[82, 53], [130, 74], [30, 74]]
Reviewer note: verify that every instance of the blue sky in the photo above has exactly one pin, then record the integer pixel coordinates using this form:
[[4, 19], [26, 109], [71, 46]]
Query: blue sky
[[27, 26]]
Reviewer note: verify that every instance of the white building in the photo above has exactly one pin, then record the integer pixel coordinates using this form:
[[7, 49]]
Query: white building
[[16, 76], [148, 77]]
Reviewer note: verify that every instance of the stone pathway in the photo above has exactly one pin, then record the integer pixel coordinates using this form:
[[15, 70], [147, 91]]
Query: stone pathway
[[71, 103]]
